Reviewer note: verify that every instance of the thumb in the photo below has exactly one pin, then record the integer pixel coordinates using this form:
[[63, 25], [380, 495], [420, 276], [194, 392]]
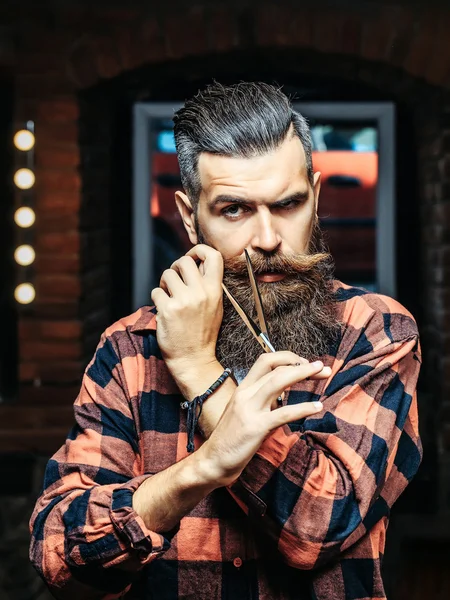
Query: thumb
[[294, 412]]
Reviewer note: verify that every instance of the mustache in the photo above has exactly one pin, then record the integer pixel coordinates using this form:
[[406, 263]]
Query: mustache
[[289, 264]]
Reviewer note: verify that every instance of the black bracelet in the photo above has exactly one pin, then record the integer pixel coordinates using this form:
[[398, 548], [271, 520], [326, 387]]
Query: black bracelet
[[192, 416]]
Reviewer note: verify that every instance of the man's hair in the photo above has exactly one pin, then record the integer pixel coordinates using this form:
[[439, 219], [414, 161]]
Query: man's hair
[[242, 120]]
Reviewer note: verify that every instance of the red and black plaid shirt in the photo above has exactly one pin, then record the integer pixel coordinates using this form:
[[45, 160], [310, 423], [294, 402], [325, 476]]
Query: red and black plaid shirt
[[306, 519]]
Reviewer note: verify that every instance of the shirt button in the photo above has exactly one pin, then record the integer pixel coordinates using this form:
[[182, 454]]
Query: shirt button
[[237, 562]]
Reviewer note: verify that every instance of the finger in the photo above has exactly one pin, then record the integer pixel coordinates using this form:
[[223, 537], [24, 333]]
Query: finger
[[324, 374], [293, 412], [187, 270], [159, 298], [266, 363], [273, 384], [212, 261], [172, 281]]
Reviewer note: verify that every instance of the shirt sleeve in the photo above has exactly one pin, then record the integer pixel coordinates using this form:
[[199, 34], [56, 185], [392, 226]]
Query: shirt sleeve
[[87, 541], [317, 491]]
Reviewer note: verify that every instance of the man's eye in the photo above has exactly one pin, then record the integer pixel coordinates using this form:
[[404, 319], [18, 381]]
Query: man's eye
[[289, 204], [235, 210]]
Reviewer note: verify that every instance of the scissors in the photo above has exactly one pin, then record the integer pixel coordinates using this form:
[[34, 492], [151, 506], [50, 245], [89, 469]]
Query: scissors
[[259, 331]]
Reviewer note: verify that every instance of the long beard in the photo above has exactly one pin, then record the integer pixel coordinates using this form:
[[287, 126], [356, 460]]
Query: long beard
[[300, 310]]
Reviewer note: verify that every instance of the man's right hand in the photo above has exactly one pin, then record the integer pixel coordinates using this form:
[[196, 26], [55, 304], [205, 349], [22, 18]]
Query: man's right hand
[[249, 416], [252, 413], [190, 308]]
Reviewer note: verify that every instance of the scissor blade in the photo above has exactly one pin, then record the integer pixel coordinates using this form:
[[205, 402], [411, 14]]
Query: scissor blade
[[261, 338], [256, 295]]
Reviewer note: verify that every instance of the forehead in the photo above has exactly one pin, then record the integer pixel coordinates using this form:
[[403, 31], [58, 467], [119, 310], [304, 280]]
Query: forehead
[[265, 176]]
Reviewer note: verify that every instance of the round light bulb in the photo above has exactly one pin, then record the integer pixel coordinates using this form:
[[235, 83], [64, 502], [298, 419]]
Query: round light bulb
[[24, 179], [24, 255], [24, 140], [24, 293], [24, 216]]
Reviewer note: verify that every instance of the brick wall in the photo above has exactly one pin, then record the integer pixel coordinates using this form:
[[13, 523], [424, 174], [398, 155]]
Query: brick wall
[[74, 65], [434, 153]]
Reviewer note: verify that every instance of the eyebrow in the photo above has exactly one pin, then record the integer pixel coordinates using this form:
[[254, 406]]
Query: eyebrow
[[226, 199]]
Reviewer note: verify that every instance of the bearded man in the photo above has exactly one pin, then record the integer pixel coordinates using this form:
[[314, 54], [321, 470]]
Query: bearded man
[[275, 502]]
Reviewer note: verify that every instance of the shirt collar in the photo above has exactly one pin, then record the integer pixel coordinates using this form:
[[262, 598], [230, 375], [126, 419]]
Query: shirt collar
[[146, 319]]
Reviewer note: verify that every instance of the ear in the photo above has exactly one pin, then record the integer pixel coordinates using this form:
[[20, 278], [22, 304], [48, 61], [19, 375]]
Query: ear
[[316, 187], [187, 216]]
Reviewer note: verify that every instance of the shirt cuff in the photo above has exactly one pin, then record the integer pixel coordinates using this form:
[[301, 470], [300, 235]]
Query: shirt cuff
[[147, 544]]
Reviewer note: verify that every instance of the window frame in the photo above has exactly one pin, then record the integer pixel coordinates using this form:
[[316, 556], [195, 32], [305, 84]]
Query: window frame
[[381, 113]]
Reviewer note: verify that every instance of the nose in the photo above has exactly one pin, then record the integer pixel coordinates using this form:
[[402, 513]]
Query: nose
[[266, 237]]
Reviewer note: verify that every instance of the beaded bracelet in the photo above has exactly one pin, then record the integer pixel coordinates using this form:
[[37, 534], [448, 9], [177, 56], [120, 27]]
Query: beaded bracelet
[[192, 416]]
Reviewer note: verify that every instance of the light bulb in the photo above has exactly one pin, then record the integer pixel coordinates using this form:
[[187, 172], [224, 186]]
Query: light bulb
[[24, 216], [24, 140], [24, 179], [24, 293], [24, 255]]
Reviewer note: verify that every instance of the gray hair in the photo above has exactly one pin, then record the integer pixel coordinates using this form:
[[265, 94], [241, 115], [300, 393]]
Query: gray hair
[[242, 120]]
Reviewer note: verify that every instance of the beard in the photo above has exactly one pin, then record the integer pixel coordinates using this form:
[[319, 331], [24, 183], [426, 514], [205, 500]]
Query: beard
[[300, 310]]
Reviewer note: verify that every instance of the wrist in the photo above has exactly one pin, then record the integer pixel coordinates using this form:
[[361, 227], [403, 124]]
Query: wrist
[[208, 471], [193, 362], [202, 472], [193, 378]]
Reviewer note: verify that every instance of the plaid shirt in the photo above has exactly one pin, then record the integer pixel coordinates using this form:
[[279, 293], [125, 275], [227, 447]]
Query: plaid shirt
[[306, 519]]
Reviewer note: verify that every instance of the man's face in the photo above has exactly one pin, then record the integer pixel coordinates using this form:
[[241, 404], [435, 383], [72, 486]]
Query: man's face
[[265, 204]]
